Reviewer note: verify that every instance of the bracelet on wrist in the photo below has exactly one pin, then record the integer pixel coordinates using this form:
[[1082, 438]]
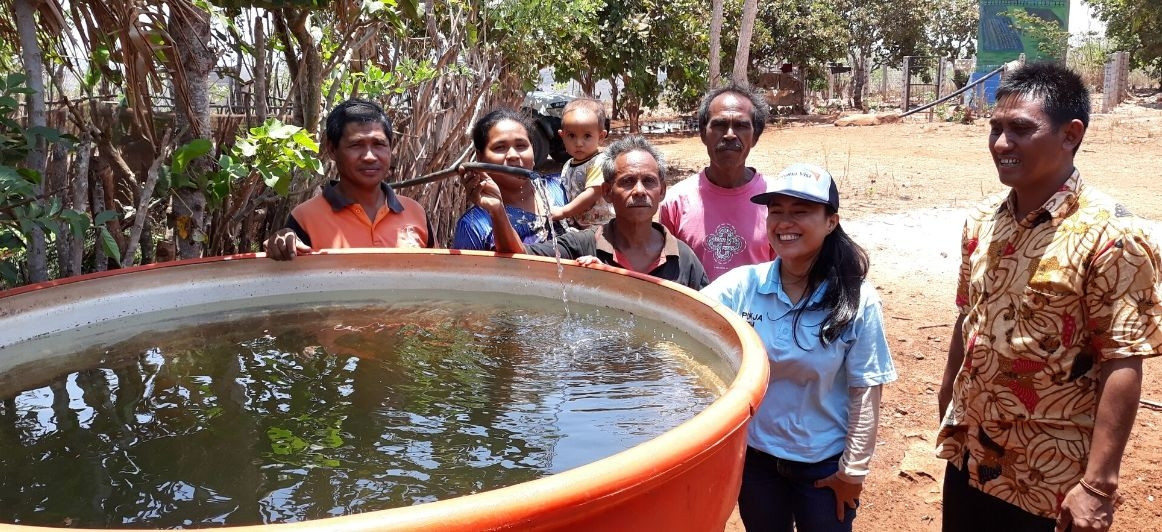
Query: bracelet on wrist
[[1111, 496]]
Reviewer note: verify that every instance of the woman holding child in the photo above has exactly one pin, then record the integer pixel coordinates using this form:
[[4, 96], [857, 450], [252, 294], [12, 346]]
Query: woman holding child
[[502, 137], [812, 438]]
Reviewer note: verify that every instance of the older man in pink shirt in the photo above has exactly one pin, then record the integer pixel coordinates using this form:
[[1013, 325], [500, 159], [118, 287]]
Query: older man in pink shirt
[[711, 211]]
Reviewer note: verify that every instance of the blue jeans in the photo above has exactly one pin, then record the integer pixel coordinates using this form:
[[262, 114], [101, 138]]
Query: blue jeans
[[780, 495]]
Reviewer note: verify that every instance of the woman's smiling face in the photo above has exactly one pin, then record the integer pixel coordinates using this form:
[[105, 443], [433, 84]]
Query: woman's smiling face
[[796, 229], [509, 145]]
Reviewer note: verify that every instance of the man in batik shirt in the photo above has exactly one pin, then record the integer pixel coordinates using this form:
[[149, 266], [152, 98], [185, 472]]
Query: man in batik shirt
[[1059, 301]]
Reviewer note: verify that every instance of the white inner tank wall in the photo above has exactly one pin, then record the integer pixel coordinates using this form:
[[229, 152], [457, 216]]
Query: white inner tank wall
[[225, 285]]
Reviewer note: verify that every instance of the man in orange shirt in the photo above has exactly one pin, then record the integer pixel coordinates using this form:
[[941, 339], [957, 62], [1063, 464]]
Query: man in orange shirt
[[1059, 304], [359, 210]]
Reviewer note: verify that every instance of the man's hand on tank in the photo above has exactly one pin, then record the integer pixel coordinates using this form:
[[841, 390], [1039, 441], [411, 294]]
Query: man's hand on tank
[[284, 245]]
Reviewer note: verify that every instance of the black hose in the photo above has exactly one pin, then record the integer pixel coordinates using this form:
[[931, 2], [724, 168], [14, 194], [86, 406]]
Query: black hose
[[449, 172]]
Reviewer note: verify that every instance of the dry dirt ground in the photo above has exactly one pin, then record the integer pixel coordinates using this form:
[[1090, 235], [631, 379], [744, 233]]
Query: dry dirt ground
[[905, 189]]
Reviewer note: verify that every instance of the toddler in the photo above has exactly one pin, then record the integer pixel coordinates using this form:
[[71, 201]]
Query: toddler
[[582, 130]]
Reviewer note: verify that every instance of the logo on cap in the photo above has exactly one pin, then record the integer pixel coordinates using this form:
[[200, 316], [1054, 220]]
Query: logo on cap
[[803, 181]]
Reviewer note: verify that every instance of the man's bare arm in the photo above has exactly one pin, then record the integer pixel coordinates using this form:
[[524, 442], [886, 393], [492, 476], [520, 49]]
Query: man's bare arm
[[1119, 391], [1090, 506], [952, 366]]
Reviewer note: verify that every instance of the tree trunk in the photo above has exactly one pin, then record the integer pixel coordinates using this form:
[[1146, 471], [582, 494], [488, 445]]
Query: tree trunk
[[309, 81], [804, 76], [80, 203], [259, 72], [858, 81], [190, 28], [56, 171], [588, 85], [632, 106], [100, 260], [750, 9], [142, 213], [633, 114], [56, 176], [34, 66], [716, 44], [615, 97], [289, 107], [145, 239]]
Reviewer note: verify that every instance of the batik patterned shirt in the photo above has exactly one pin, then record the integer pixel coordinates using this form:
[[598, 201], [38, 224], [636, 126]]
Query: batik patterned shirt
[[1046, 299]]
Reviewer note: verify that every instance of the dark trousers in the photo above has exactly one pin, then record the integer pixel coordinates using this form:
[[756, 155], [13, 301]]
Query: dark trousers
[[967, 509], [780, 496]]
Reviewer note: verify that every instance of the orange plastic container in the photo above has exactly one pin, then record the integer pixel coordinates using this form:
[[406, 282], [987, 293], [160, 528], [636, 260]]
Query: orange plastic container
[[685, 479]]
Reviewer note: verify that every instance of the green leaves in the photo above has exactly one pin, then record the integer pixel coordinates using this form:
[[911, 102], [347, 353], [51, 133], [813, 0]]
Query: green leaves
[[108, 243], [14, 83], [1134, 26], [104, 217], [22, 208], [376, 82], [283, 442], [292, 448], [98, 62], [1052, 38], [274, 151], [304, 140], [375, 6], [188, 152], [532, 34], [278, 131], [245, 147]]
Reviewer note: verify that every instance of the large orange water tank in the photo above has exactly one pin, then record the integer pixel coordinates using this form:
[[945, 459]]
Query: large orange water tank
[[685, 479]]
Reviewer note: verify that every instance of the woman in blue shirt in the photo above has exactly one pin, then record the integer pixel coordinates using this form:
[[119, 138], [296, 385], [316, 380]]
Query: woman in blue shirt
[[502, 137], [810, 442]]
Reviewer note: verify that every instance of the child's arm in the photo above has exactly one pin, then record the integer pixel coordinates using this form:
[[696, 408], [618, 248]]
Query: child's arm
[[583, 202]]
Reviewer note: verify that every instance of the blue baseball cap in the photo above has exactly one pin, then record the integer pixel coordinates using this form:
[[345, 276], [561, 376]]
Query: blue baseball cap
[[803, 181]]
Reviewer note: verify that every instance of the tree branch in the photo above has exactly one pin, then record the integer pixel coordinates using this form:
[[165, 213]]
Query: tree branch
[[143, 203]]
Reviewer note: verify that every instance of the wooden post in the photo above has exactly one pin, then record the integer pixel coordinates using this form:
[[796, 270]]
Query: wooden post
[[907, 75], [884, 82], [939, 75], [1123, 76], [803, 87], [939, 81]]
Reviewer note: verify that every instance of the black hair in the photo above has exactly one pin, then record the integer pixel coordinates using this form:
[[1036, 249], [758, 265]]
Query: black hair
[[628, 144], [355, 111], [487, 122], [843, 264], [1063, 94], [759, 108]]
